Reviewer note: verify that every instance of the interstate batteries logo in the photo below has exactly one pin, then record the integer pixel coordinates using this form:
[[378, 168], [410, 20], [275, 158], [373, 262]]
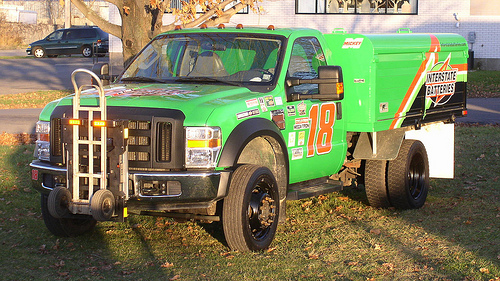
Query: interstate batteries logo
[[440, 83]]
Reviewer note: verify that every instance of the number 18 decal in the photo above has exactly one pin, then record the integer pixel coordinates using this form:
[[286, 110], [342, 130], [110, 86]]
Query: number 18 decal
[[321, 131]]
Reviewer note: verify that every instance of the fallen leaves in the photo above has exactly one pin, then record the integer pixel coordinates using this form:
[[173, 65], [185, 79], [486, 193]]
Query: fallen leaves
[[484, 270], [175, 277], [167, 264], [389, 266], [17, 139]]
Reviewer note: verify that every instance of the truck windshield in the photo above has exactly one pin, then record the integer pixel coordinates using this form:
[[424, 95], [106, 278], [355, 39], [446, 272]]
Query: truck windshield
[[232, 58]]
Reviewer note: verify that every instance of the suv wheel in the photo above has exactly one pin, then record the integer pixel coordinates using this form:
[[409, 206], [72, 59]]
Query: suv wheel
[[87, 51], [38, 52]]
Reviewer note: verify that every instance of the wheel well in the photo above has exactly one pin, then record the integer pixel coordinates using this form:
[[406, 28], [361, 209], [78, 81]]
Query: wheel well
[[268, 152], [87, 45], [264, 147]]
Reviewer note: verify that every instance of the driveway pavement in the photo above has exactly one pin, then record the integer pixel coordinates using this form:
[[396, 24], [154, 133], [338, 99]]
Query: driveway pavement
[[13, 53]]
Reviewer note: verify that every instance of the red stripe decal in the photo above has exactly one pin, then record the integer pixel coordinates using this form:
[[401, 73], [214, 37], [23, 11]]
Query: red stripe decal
[[435, 47]]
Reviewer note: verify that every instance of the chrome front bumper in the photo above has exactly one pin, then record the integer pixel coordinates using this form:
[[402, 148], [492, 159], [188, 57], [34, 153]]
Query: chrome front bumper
[[192, 189]]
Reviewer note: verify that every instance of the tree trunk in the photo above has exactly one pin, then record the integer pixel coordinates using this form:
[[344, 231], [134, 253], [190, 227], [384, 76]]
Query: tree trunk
[[137, 28], [142, 20]]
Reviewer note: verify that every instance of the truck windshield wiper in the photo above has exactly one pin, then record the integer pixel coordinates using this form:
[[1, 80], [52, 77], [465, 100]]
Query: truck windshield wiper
[[206, 79], [143, 79]]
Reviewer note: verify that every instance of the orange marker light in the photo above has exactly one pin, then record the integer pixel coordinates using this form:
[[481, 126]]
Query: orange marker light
[[221, 26], [340, 88], [99, 123], [270, 27], [75, 122], [204, 143], [239, 26]]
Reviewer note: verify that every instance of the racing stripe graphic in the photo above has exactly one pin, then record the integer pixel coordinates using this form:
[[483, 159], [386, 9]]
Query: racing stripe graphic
[[430, 58]]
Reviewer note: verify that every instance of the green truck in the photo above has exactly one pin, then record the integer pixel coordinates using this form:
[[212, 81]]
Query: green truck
[[226, 124]]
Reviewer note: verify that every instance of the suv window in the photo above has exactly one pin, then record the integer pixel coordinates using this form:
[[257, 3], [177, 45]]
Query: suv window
[[56, 35], [87, 33], [80, 33]]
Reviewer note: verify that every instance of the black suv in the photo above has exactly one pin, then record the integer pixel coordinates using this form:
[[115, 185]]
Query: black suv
[[76, 40]]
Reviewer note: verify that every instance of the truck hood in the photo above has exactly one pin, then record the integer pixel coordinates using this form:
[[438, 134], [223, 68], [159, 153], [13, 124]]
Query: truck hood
[[196, 101]]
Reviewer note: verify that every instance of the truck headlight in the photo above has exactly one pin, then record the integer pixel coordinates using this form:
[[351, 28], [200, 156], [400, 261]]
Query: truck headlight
[[203, 145], [42, 149]]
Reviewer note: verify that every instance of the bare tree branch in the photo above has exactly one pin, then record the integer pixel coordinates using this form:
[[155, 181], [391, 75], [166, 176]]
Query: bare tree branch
[[226, 16], [97, 19], [209, 14]]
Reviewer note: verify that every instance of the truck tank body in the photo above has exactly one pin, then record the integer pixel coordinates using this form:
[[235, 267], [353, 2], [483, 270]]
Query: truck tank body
[[398, 80]]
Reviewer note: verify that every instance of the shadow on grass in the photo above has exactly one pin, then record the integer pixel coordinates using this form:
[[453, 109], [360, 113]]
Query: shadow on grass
[[461, 215], [454, 236], [31, 252]]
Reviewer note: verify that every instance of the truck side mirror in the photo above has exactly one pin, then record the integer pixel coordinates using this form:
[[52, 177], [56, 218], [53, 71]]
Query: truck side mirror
[[330, 84], [334, 89], [102, 71]]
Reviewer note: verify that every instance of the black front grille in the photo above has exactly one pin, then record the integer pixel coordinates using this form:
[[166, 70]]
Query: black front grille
[[164, 141], [139, 143], [154, 142], [56, 135]]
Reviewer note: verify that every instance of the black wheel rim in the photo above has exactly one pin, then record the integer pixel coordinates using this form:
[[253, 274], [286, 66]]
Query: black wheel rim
[[416, 176], [262, 209]]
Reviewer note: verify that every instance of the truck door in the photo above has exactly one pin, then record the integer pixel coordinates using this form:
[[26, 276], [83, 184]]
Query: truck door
[[315, 138]]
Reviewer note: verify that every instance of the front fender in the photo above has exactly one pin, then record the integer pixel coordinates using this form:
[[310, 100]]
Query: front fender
[[243, 134]]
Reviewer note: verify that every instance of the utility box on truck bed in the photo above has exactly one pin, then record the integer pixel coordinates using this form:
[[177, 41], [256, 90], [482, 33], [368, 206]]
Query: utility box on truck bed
[[226, 124], [396, 80]]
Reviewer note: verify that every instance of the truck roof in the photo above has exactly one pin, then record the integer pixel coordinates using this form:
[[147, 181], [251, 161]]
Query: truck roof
[[244, 29]]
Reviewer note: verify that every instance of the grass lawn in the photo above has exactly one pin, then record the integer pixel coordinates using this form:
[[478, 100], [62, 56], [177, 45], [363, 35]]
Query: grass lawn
[[483, 84], [36, 99], [455, 236]]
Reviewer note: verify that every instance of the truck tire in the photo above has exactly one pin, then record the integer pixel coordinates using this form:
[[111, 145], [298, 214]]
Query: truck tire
[[65, 227], [408, 176], [251, 209], [58, 202], [102, 205], [376, 184]]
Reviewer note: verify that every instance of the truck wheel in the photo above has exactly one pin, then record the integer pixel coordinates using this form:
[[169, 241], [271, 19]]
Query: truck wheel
[[375, 183], [58, 202], [39, 52], [408, 176], [87, 51], [251, 209], [102, 205], [66, 227]]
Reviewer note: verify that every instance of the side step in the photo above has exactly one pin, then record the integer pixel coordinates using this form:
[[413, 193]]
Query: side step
[[313, 188]]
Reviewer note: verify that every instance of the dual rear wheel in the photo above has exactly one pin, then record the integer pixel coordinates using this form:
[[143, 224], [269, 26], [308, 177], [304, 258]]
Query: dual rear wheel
[[402, 183]]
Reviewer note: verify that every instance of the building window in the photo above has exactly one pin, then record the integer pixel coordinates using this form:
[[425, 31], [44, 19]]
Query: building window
[[177, 4], [386, 7]]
